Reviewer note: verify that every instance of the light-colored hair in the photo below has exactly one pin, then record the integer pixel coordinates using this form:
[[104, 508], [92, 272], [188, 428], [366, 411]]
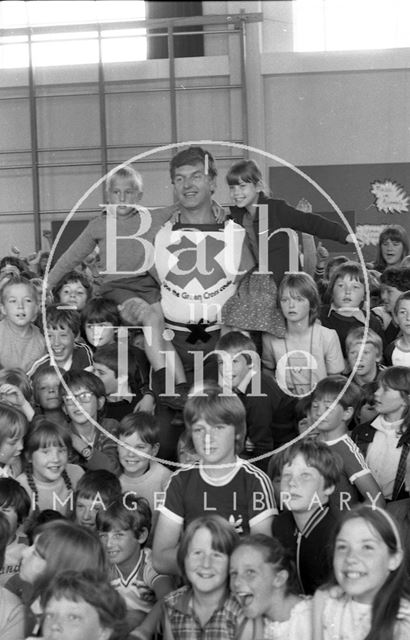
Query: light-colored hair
[[304, 285], [126, 172]]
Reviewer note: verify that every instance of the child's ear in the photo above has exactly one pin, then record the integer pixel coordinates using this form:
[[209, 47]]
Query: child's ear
[[395, 560], [155, 448], [348, 414], [100, 402], [329, 490], [142, 537], [281, 578]]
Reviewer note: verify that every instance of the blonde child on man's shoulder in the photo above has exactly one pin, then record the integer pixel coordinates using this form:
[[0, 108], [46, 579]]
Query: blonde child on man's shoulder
[[21, 342]]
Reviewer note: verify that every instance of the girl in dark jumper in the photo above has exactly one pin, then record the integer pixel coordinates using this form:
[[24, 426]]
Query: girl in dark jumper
[[254, 306]]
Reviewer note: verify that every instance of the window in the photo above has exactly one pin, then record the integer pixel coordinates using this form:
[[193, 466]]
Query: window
[[343, 25], [69, 48]]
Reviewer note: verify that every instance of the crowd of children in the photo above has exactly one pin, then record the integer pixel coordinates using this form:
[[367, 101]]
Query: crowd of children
[[236, 474]]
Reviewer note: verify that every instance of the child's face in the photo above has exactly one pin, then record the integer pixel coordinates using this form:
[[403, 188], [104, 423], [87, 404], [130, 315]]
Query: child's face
[[48, 392], [99, 333], [215, 444], [403, 317], [251, 580], [368, 361], [389, 296], [303, 487], [362, 561], [86, 510], [123, 191], [295, 307], [75, 620], [334, 419], [12, 518], [205, 567], [19, 304], [347, 293], [107, 376], [235, 369], [61, 343], [389, 402], [133, 464], [89, 405], [10, 449], [244, 194], [74, 294], [49, 462], [392, 251], [121, 545]]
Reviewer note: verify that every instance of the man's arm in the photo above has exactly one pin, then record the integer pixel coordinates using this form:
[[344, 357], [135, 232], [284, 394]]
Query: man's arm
[[165, 545]]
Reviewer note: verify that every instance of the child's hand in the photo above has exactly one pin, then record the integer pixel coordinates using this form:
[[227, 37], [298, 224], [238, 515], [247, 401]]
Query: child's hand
[[147, 404], [304, 205], [219, 212], [11, 394], [321, 252], [34, 258]]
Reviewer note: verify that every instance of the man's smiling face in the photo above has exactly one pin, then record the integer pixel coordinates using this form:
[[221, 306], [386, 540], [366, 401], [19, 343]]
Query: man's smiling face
[[193, 187]]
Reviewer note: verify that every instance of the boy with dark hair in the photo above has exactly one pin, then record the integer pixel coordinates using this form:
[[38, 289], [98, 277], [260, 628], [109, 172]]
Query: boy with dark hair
[[142, 474], [124, 393], [94, 492], [310, 473], [333, 409], [220, 481], [63, 327], [269, 411], [124, 529], [346, 311]]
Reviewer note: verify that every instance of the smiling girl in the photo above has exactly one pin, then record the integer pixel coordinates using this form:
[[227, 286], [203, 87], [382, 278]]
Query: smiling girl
[[48, 479], [263, 579], [392, 247], [369, 599]]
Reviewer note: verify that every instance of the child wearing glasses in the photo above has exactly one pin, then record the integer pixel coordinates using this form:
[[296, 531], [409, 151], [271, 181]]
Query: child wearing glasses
[[83, 401]]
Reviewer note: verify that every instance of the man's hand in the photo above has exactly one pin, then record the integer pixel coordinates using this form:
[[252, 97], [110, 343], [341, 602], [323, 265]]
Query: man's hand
[[134, 311]]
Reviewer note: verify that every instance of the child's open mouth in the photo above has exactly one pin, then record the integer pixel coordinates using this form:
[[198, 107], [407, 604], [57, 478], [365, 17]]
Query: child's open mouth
[[244, 599]]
